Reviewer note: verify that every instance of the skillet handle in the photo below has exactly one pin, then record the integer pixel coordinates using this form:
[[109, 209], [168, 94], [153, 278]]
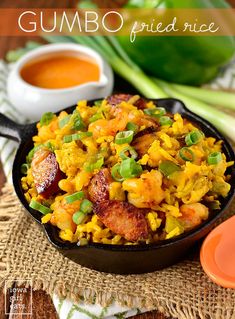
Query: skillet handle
[[11, 129]]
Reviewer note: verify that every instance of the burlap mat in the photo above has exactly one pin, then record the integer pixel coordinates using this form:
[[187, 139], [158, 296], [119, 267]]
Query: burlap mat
[[181, 291]]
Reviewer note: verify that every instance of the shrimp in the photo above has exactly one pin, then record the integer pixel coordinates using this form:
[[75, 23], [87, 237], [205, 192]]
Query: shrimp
[[146, 191], [193, 215], [63, 213]]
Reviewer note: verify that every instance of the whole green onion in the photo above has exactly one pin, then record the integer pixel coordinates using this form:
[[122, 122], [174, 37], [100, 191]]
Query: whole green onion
[[167, 168], [186, 154], [214, 158], [76, 136], [194, 137], [155, 112], [129, 149], [132, 127], [86, 206], [124, 137], [74, 197], [165, 120], [46, 118], [115, 172], [78, 217], [39, 207], [130, 169]]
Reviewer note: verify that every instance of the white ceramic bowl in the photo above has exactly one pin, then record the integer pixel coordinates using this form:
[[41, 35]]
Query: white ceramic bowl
[[33, 101]]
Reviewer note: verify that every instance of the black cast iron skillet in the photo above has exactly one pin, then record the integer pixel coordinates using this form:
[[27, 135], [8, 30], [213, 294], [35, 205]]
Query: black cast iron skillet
[[111, 258]]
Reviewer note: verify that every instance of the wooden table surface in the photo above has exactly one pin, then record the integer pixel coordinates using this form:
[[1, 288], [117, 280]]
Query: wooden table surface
[[42, 303]]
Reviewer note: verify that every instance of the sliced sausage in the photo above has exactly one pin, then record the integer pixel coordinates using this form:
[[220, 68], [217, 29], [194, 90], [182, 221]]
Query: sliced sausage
[[147, 130], [116, 99], [123, 219], [98, 188], [46, 172]]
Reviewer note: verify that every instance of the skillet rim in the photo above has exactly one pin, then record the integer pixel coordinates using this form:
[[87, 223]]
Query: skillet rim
[[49, 229]]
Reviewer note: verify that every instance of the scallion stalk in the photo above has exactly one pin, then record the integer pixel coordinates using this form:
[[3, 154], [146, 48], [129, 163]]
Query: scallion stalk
[[215, 97], [222, 121]]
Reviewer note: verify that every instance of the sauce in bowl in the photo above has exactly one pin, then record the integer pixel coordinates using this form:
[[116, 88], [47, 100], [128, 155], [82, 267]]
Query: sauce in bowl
[[60, 71]]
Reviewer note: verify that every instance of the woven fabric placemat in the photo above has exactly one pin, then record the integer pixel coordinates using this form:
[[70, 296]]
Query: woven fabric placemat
[[180, 291]]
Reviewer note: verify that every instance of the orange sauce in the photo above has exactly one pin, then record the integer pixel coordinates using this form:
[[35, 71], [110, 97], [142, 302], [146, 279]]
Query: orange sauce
[[59, 72]]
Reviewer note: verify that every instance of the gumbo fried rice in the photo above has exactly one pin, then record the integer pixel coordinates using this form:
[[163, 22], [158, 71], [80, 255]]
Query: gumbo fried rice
[[123, 171]]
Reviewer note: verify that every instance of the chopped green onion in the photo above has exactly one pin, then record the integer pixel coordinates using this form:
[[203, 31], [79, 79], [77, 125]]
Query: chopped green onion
[[78, 123], [30, 155], [49, 146], [129, 149], [95, 117], [165, 120], [156, 111], [214, 158], [77, 136], [97, 165], [132, 127], [72, 198], [98, 103], [129, 168], [124, 137], [46, 118], [39, 207], [64, 121], [24, 168], [86, 206], [214, 205], [167, 168], [78, 217], [186, 154], [115, 172], [194, 137]]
